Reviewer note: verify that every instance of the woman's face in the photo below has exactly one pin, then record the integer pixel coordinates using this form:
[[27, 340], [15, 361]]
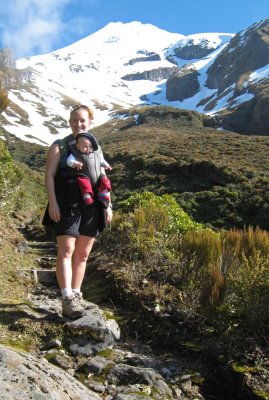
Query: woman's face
[[80, 121]]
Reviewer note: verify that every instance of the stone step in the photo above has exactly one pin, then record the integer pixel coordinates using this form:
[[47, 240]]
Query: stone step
[[42, 245], [45, 276]]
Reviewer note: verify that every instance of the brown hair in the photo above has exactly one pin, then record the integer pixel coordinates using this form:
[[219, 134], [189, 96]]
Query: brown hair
[[82, 107]]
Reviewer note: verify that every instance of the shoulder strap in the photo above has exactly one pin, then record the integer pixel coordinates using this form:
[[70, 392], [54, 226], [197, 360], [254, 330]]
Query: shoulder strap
[[66, 145]]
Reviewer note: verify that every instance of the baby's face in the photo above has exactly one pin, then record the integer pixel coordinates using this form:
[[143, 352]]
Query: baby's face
[[84, 145]]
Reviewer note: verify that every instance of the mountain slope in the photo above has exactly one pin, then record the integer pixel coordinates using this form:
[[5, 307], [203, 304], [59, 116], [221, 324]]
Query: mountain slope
[[114, 68], [124, 65]]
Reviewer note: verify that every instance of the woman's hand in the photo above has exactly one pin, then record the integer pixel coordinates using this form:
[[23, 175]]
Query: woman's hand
[[54, 211], [109, 215]]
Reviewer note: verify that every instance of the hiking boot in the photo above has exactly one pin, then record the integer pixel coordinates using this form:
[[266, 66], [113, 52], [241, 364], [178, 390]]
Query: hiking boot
[[85, 304], [72, 307]]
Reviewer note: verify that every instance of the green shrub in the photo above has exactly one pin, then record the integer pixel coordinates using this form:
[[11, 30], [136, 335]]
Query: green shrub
[[247, 294], [245, 267], [10, 177], [238, 244], [165, 258], [172, 218], [199, 266]]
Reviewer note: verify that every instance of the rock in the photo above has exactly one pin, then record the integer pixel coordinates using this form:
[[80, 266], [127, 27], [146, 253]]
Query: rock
[[155, 75], [190, 50], [182, 85], [122, 374], [249, 117], [60, 359], [96, 386], [231, 76], [150, 56], [238, 58], [96, 326], [51, 345], [84, 346], [25, 377], [96, 365], [130, 397], [22, 247], [93, 332]]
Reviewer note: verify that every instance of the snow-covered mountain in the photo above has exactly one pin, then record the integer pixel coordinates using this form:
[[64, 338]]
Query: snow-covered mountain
[[124, 65]]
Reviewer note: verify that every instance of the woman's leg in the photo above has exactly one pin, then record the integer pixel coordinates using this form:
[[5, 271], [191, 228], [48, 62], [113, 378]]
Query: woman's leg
[[81, 253], [66, 247], [71, 307]]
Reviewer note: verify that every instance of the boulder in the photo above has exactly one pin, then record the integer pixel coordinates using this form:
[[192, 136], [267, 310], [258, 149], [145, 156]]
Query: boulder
[[24, 377]]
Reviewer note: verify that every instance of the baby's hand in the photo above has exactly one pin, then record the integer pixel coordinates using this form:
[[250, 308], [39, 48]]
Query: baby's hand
[[78, 165], [108, 167]]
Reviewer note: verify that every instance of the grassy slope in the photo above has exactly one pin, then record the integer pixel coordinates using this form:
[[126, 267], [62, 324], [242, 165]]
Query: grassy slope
[[219, 177]]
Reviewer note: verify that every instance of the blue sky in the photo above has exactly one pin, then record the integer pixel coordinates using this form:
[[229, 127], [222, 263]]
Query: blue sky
[[31, 27]]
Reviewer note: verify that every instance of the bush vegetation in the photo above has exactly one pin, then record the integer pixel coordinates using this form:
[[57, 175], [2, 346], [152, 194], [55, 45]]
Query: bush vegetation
[[177, 267], [10, 177]]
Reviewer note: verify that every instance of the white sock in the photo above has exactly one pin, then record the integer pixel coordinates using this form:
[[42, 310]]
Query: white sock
[[76, 291], [66, 292]]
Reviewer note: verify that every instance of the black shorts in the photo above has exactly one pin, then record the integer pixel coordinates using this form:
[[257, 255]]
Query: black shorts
[[82, 220], [76, 217]]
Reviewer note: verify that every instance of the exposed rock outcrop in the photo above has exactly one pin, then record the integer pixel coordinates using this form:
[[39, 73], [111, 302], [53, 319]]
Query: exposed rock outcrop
[[250, 117], [230, 74], [246, 52], [182, 85], [156, 75], [149, 57], [192, 51], [23, 376]]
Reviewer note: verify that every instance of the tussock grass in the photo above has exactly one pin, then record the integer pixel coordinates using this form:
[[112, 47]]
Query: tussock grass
[[220, 276]]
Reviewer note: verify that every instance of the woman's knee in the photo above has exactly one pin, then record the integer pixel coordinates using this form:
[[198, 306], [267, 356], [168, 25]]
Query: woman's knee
[[66, 247], [83, 248], [81, 255]]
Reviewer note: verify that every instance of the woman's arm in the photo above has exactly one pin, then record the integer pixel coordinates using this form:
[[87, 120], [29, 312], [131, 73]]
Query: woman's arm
[[53, 158]]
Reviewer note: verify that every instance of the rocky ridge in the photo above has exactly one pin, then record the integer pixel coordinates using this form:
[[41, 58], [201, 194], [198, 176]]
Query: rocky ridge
[[231, 76]]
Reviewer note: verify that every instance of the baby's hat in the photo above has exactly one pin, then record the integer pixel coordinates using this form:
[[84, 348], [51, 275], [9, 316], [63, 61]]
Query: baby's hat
[[90, 137]]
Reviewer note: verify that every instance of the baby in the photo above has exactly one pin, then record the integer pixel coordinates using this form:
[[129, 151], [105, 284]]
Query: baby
[[87, 163]]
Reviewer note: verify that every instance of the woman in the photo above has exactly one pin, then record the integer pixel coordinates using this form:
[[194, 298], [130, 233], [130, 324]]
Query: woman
[[76, 225]]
